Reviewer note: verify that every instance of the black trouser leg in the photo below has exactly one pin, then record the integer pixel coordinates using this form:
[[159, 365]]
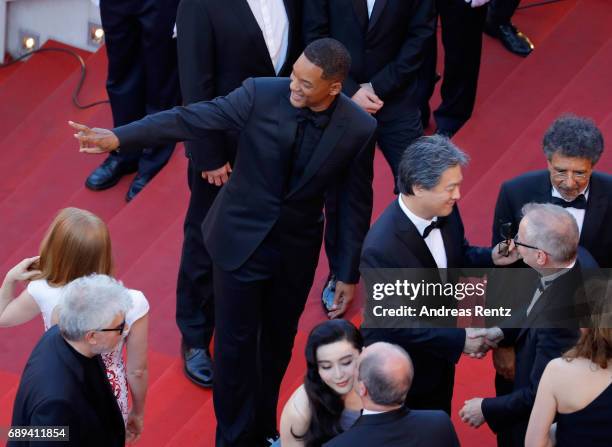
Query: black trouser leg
[[159, 56], [194, 291], [462, 28], [501, 11], [396, 134]]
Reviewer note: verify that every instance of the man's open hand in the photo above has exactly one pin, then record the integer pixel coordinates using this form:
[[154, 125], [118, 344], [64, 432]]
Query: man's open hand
[[96, 140], [342, 298]]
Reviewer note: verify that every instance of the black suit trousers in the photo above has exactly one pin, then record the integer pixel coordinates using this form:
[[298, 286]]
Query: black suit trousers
[[195, 315], [257, 309], [501, 11], [462, 28], [142, 68]]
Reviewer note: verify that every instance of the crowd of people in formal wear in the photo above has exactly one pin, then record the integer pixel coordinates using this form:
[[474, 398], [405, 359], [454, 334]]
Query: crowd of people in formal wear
[[284, 103]]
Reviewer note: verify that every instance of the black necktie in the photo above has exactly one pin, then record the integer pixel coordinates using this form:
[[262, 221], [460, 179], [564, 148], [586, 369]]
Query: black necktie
[[434, 224], [578, 203]]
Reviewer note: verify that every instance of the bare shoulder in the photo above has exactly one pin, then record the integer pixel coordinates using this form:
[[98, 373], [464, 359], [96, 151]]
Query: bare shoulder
[[299, 405], [296, 415]]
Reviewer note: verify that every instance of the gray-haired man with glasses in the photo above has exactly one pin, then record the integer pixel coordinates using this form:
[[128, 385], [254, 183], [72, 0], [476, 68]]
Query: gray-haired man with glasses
[[64, 383], [572, 145]]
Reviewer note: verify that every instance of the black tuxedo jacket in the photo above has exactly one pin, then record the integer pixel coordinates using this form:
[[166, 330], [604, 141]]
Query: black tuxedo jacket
[[394, 242], [386, 50], [220, 45], [57, 389], [535, 186], [541, 338], [256, 197], [399, 428]]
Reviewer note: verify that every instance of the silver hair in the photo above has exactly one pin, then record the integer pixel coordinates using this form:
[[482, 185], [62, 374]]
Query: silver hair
[[384, 389], [90, 303], [552, 229], [425, 160]]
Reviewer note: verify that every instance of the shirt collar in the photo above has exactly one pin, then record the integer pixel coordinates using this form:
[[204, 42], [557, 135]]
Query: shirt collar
[[418, 222], [557, 194], [548, 279]]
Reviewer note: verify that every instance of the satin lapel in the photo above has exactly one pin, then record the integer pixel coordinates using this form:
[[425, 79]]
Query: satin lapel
[[379, 5], [251, 27], [361, 11], [287, 127], [331, 135], [409, 234], [292, 18], [452, 246], [594, 214]]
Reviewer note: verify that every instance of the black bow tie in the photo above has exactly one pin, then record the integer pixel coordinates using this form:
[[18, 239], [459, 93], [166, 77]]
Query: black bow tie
[[434, 224], [578, 203], [318, 120]]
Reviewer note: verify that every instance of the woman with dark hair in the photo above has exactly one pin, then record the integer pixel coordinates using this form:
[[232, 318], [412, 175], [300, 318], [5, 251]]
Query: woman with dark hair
[[576, 389], [326, 404]]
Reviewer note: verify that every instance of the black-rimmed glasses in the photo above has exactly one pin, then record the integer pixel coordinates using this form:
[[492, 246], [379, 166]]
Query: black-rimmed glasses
[[516, 242], [119, 328]]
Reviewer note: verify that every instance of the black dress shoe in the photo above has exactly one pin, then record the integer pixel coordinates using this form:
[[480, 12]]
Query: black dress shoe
[[328, 292], [198, 366], [138, 183], [108, 174], [514, 41]]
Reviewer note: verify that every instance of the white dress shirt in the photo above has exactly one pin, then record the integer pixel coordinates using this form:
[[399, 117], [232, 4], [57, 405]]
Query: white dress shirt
[[434, 238], [370, 7], [577, 213], [272, 19]]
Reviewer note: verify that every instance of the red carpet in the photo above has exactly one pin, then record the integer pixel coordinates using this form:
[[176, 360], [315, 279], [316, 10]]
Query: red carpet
[[41, 171]]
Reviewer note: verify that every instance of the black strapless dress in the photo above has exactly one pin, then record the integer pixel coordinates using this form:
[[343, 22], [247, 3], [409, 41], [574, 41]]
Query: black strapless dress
[[589, 427]]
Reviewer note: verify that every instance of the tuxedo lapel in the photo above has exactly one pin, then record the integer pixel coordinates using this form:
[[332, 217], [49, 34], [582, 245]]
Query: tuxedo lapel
[[452, 246], [287, 128], [410, 236], [594, 214], [379, 5], [292, 18], [361, 11], [252, 29], [331, 135]]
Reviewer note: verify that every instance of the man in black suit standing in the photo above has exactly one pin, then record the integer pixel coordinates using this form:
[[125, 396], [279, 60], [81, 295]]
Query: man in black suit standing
[[385, 39], [142, 79], [298, 137], [213, 38], [573, 146], [385, 376], [462, 23], [422, 229], [64, 382], [547, 241]]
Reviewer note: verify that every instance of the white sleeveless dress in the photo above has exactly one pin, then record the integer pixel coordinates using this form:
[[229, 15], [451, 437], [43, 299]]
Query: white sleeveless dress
[[47, 298]]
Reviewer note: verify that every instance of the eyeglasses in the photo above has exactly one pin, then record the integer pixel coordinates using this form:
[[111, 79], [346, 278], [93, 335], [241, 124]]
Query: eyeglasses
[[564, 175], [516, 242], [119, 328]]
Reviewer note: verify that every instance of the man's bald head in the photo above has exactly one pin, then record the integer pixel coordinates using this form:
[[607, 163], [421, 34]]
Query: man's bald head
[[386, 372]]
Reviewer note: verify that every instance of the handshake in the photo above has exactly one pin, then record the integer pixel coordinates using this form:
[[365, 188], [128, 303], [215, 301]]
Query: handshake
[[479, 341]]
